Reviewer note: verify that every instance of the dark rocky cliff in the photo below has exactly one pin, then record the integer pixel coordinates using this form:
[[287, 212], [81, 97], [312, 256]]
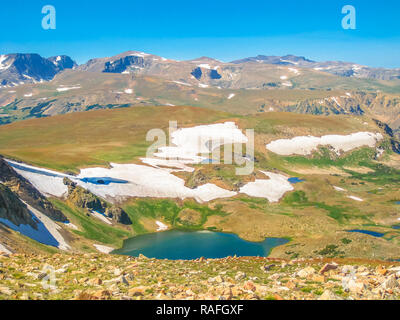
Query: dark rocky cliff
[[27, 192]]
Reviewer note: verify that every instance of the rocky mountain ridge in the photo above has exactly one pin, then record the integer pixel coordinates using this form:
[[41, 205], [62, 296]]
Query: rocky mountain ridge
[[343, 69], [13, 209], [84, 199], [20, 68], [27, 192]]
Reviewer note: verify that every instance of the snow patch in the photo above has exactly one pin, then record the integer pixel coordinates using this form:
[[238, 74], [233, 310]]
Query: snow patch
[[71, 226], [128, 91], [161, 226], [355, 198], [140, 54], [204, 66], [63, 89], [101, 217], [336, 101], [305, 145], [272, 189], [47, 230], [47, 182], [190, 142], [339, 189], [3, 58], [103, 249], [182, 83], [143, 181]]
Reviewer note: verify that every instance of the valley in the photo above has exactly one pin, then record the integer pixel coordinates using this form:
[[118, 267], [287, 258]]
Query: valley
[[336, 190]]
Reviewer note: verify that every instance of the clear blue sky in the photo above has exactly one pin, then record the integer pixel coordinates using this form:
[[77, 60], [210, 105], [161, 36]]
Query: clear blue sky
[[223, 29]]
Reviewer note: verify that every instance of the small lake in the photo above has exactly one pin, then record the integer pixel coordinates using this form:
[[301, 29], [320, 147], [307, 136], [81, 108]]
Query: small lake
[[370, 233], [397, 202], [181, 245], [295, 180]]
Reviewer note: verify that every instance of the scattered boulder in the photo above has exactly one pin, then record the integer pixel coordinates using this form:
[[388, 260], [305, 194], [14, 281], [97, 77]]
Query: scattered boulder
[[306, 272], [329, 295], [249, 286], [354, 286], [390, 283], [137, 291], [381, 270], [268, 267], [240, 276], [328, 267]]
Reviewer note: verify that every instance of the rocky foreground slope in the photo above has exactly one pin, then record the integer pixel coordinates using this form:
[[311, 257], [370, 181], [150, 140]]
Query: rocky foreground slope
[[106, 277]]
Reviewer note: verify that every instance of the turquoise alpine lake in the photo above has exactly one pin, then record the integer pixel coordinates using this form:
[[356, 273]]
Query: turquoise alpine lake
[[182, 245]]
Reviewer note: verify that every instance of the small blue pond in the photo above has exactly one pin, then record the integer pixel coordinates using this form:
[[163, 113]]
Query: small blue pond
[[368, 232], [102, 181], [295, 180], [397, 202]]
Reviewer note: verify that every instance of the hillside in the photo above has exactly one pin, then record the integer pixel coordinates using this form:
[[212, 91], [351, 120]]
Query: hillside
[[105, 277], [244, 87], [334, 194]]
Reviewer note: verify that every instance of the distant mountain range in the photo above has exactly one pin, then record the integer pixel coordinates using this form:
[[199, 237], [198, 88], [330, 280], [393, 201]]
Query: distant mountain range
[[17, 69], [343, 69], [32, 86]]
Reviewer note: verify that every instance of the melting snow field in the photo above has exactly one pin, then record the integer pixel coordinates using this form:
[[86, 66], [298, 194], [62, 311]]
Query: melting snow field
[[169, 165], [101, 217], [63, 89], [355, 198], [103, 249], [306, 145], [190, 142], [272, 189], [49, 183], [146, 181], [156, 179], [339, 189], [47, 230], [161, 226]]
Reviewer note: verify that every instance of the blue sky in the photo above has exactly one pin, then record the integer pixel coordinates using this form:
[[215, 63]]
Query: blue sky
[[222, 29]]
